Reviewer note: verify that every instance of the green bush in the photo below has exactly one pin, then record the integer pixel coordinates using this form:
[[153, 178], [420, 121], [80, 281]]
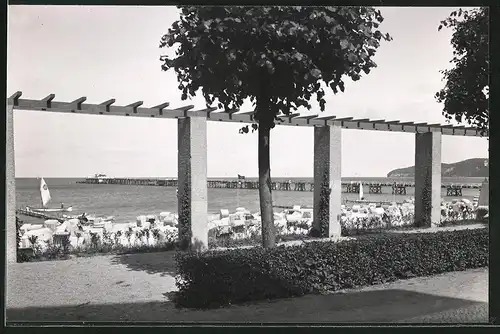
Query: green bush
[[481, 213], [217, 278]]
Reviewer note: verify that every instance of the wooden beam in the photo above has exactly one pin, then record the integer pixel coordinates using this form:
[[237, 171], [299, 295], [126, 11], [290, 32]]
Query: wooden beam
[[321, 120], [345, 119], [203, 112], [14, 99], [77, 104], [48, 100], [377, 121], [291, 116], [107, 104], [160, 107], [247, 113], [308, 117], [134, 106], [231, 112], [107, 108]]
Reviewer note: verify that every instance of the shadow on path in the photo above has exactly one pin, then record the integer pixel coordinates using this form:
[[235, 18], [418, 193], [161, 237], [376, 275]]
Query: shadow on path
[[153, 263], [387, 306]]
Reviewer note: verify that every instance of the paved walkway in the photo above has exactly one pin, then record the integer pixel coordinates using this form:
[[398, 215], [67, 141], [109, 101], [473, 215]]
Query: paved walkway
[[136, 287]]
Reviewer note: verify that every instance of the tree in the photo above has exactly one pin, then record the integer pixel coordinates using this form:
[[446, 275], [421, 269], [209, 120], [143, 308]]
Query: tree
[[465, 95], [275, 56]]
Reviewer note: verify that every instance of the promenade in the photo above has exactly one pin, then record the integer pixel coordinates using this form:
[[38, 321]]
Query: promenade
[[137, 287]]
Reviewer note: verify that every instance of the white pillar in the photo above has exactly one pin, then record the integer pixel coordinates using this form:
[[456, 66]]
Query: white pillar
[[327, 178], [427, 179], [10, 185], [192, 185]]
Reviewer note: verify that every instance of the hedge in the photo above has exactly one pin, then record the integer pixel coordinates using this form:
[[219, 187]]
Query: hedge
[[218, 278]]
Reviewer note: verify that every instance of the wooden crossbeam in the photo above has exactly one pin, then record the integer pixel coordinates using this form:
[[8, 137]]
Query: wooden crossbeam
[[377, 121], [135, 109], [292, 116], [322, 120], [247, 113], [48, 100], [107, 104], [360, 120], [309, 117], [160, 107], [15, 98], [231, 112], [77, 104], [205, 112], [135, 105]]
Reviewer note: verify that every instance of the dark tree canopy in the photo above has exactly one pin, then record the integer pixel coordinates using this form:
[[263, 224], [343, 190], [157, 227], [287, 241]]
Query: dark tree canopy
[[467, 82], [276, 56]]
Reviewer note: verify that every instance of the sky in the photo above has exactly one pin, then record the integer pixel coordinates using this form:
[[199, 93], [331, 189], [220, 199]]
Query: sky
[[113, 52]]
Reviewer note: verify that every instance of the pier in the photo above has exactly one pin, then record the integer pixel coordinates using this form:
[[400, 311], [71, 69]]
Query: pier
[[347, 187]]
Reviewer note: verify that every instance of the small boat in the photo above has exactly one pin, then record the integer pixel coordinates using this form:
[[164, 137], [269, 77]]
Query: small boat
[[45, 197]]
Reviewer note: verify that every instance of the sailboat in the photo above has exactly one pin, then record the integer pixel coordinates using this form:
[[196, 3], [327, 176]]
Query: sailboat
[[45, 197]]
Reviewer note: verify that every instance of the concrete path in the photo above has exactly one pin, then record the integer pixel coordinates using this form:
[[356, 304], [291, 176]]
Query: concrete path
[[136, 288]]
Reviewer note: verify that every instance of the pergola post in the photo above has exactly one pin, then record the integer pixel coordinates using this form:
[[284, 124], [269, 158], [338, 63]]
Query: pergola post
[[192, 182], [427, 178], [10, 191], [327, 179]]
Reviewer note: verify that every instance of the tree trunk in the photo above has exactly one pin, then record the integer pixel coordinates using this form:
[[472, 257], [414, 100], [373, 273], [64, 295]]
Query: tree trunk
[[266, 200]]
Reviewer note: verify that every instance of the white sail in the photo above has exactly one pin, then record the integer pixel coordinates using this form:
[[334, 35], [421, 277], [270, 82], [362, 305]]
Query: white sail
[[44, 192], [360, 191]]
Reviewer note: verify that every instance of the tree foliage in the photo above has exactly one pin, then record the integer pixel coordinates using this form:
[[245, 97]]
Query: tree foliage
[[465, 95], [276, 56]]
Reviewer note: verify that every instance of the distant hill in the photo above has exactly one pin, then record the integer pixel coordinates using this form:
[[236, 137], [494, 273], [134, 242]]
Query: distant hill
[[467, 168]]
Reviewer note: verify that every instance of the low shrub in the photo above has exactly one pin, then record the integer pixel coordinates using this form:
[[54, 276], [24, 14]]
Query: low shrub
[[217, 278], [481, 214]]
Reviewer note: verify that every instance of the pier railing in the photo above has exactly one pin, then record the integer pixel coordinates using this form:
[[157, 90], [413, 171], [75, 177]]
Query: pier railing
[[347, 187]]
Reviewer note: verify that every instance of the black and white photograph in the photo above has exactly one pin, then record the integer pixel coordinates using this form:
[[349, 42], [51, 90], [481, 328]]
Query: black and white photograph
[[191, 165]]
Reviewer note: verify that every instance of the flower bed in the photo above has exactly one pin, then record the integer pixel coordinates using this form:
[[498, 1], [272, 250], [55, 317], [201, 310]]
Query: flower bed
[[241, 275]]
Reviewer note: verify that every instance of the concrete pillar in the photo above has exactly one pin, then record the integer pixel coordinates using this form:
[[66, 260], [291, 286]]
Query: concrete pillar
[[484, 195], [10, 185], [192, 184], [427, 179], [327, 179]]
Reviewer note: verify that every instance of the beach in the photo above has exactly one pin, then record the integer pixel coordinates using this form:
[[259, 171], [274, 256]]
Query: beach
[[126, 202]]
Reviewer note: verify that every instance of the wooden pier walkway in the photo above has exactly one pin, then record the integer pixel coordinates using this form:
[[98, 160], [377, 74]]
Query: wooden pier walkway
[[347, 187], [38, 215]]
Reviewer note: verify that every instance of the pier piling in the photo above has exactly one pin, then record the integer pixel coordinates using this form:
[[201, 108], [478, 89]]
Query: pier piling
[[347, 187]]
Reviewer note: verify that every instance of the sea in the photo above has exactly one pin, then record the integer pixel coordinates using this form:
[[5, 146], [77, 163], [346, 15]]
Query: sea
[[126, 202]]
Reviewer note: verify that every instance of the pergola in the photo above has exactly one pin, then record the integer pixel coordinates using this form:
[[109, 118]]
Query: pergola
[[192, 157]]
